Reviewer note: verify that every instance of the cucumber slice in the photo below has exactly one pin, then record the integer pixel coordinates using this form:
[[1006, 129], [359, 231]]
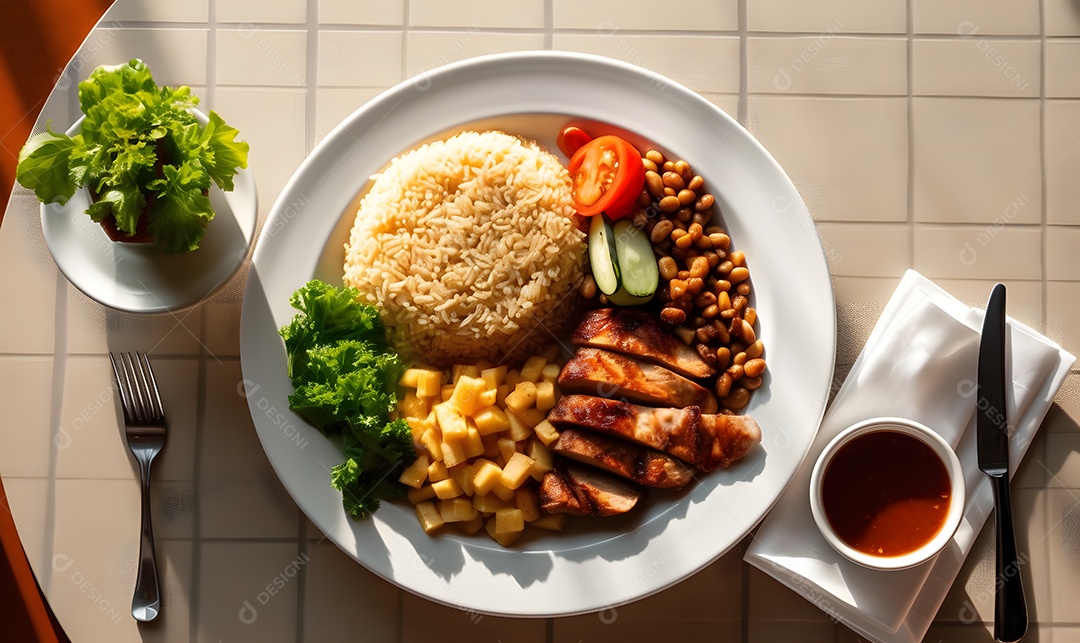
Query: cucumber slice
[[605, 268], [639, 274], [623, 298]]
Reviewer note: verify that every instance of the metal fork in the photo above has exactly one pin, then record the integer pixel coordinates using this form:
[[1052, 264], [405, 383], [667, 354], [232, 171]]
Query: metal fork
[[144, 426]]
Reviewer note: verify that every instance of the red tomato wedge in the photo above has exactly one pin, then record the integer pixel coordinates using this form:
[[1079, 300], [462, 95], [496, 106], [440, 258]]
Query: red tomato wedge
[[571, 139], [607, 176]]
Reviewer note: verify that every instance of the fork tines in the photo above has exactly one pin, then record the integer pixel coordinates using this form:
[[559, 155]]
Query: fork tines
[[138, 389]]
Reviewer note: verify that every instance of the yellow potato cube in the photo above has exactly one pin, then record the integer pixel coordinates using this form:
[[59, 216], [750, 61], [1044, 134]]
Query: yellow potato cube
[[463, 476], [471, 526], [543, 459], [551, 373], [451, 422], [428, 382], [503, 492], [486, 399], [416, 496], [545, 396], [413, 406], [505, 539], [457, 510], [507, 448], [429, 516], [488, 503], [523, 397], [448, 488], [437, 471], [466, 397], [533, 368], [528, 501], [516, 471], [485, 476], [411, 377], [453, 452], [531, 417], [415, 474], [491, 420], [474, 444], [553, 522], [494, 376], [432, 441], [446, 392], [509, 520], [459, 371], [519, 430], [546, 432], [500, 394]]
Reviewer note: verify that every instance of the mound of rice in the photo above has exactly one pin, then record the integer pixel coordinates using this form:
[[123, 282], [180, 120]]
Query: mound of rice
[[468, 245]]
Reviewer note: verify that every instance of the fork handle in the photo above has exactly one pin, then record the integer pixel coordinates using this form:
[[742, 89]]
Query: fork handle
[[146, 602]]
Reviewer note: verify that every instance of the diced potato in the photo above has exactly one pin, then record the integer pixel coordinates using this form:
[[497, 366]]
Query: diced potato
[[546, 432], [453, 452], [485, 476], [432, 441], [516, 471], [519, 430], [491, 445], [491, 420], [451, 422], [418, 376], [500, 394], [448, 488], [554, 522], [471, 526], [467, 393], [528, 501], [551, 353], [413, 406], [531, 417], [463, 476], [426, 492], [494, 376], [486, 399], [512, 378], [457, 510], [474, 444], [543, 459], [457, 371], [507, 448], [488, 503], [504, 539], [545, 396], [419, 425], [533, 368], [509, 520], [429, 516], [446, 392], [428, 382], [551, 373], [437, 471], [416, 473], [523, 397], [502, 491]]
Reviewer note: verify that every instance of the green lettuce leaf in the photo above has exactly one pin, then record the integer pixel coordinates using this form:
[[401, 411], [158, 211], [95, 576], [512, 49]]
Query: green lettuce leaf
[[180, 212], [45, 166]]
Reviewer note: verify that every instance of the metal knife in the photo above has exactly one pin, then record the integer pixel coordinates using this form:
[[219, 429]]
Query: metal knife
[[1010, 608]]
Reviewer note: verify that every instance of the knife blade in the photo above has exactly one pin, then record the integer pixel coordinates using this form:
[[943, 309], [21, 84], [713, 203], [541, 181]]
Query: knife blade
[[993, 431]]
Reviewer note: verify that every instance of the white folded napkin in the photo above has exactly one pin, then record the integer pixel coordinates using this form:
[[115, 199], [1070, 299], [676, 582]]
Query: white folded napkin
[[920, 363]]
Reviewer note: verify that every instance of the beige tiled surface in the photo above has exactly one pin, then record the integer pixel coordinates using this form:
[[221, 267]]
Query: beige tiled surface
[[943, 136]]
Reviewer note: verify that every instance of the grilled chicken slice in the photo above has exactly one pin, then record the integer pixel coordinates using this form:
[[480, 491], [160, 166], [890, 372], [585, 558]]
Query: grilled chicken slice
[[636, 333], [680, 432], [627, 459], [598, 372], [583, 491]]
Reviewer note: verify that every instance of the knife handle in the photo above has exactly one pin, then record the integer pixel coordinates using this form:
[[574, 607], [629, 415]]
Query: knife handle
[[1010, 608]]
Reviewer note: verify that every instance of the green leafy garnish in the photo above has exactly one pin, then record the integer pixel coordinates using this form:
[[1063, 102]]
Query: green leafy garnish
[[141, 152], [345, 383]]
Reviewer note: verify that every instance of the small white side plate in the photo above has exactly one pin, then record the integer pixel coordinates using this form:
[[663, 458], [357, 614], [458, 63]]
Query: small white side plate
[[137, 277]]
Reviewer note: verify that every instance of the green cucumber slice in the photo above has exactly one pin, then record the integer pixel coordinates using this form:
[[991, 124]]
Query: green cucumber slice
[[605, 268], [636, 262], [623, 298]]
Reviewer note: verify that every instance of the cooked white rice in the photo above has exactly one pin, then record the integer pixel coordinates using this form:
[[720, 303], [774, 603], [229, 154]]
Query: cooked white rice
[[468, 245]]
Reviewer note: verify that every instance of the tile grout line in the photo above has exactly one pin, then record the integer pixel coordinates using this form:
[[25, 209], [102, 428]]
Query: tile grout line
[[742, 110], [910, 19], [59, 373], [1042, 165], [405, 18]]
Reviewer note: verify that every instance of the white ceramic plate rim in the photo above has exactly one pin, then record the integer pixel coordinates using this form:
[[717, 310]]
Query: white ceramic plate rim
[[562, 574], [138, 278]]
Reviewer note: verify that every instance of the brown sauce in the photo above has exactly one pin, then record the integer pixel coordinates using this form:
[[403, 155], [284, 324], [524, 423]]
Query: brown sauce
[[886, 493]]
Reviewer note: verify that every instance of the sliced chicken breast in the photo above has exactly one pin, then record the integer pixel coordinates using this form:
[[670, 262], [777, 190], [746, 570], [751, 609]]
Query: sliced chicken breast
[[583, 491], [632, 461], [606, 374], [637, 333]]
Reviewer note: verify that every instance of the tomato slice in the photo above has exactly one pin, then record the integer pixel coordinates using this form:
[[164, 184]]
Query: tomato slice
[[571, 139], [607, 176]]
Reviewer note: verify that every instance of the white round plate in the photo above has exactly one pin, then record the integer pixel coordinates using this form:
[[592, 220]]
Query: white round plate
[[596, 563], [138, 278]]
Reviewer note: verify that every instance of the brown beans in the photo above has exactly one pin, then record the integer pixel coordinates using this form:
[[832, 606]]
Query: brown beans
[[705, 299], [743, 289], [735, 371], [649, 165], [696, 183], [750, 316], [725, 268], [747, 333], [706, 333], [736, 399], [588, 287], [669, 204], [672, 315], [699, 267], [694, 285], [686, 197], [682, 168], [685, 216], [755, 350], [654, 184], [723, 301], [723, 357], [720, 240], [684, 242], [694, 231], [723, 385], [754, 367], [710, 311], [704, 202], [738, 274], [668, 268], [738, 258], [677, 288], [661, 231], [751, 383], [740, 359], [708, 353], [674, 181], [656, 157]]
